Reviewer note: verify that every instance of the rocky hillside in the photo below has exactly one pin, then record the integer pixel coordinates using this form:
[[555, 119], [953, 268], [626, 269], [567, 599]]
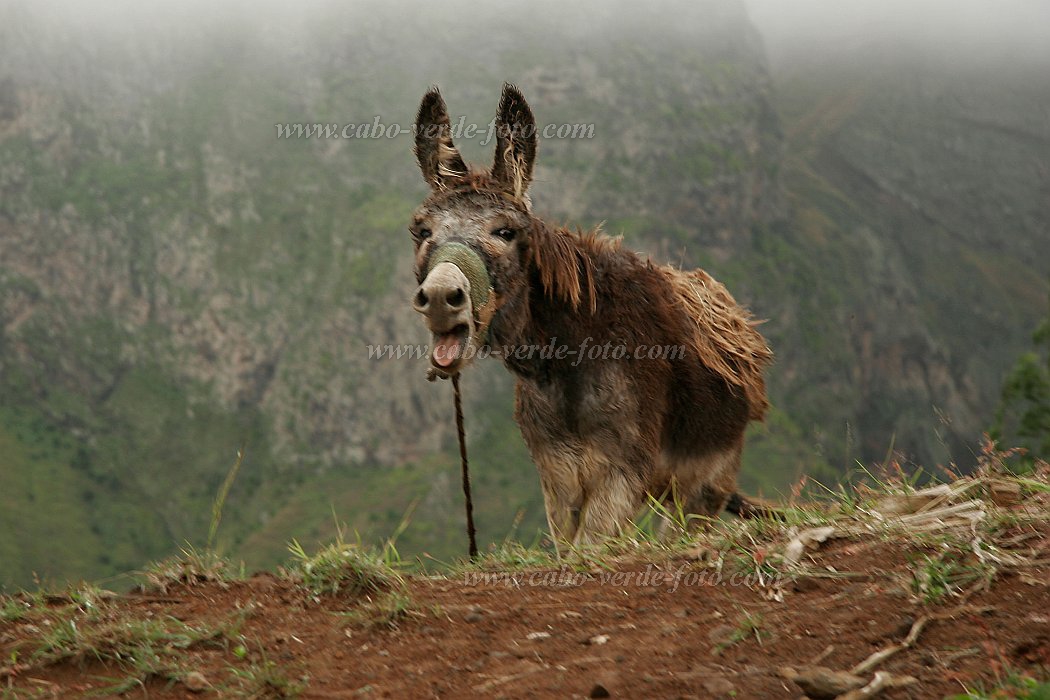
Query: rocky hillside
[[176, 281], [919, 182]]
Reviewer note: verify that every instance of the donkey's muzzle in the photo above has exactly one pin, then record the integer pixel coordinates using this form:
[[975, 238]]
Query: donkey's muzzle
[[455, 289], [444, 298]]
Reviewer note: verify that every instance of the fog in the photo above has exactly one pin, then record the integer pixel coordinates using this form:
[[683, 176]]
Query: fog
[[957, 28], [960, 29], [966, 22]]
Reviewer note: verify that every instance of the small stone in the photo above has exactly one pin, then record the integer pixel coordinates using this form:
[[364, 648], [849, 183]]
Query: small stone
[[722, 634], [600, 691], [701, 553], [535, 636], [195, 682], [597, 639], [1006, 493], [718, 687], [473, 617], [805, 584]]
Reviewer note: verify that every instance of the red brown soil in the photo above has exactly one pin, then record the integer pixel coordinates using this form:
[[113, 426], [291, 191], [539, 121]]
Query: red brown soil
[[474, 640]]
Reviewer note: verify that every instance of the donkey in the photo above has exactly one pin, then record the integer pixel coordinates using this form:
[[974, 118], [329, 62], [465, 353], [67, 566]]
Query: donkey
[[605, 429]]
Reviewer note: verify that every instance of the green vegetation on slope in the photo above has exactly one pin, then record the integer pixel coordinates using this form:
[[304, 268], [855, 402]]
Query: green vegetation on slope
[[1023, 417]]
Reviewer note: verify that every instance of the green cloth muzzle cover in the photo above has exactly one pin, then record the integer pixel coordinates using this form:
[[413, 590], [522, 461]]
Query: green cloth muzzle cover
[[472, 267]]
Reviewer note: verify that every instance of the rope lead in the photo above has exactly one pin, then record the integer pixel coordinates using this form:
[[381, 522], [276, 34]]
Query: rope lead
[[466, 469]]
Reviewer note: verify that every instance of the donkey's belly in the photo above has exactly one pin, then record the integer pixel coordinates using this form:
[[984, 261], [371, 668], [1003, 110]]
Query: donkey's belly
[[596, 407]]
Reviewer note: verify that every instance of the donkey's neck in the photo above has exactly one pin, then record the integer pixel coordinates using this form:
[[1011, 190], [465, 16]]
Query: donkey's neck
[[561, 314]]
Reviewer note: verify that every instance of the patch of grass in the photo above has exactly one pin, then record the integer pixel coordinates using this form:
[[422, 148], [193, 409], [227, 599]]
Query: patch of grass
[[343, 568], [661, 525], [82, 599], [946, 575], [189, 568], [142, 648], [747, 626], [509, 556], [80, 627], [1032, 485], [265, 679], [757, 561], [385, 611], [1013, 686], [755, 547], [26, 693], [14, 608]]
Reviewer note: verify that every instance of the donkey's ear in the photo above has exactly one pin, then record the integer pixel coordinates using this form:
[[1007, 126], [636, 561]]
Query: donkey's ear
[[515, 142], [438, 158]]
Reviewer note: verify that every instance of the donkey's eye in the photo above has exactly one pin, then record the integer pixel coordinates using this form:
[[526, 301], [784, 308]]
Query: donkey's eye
[[505, 233], [424, 233]]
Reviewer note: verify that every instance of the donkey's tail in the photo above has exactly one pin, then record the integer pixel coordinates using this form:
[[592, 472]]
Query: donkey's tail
[[750, 508]]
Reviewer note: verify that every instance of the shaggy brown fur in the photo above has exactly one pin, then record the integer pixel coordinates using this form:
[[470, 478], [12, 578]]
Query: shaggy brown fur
[[606, 430]]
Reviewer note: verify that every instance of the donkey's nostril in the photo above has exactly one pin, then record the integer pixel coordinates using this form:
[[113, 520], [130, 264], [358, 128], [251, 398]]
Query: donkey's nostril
[[456, 298], [420, 300]]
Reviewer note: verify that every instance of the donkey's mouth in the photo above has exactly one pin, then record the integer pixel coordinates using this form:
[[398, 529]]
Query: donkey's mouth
[[446, 298], [448, 348]]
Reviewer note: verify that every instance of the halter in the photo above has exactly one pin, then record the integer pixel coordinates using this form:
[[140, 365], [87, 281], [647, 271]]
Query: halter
[[482, 298]]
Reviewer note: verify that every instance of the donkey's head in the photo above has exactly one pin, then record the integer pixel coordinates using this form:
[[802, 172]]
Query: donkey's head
[[472, 233]]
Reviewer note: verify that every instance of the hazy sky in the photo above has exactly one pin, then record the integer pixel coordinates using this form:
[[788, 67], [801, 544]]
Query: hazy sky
[[1000, 26], [1007, 27]]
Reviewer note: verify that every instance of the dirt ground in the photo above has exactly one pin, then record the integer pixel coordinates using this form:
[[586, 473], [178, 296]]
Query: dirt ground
[[556, 633]]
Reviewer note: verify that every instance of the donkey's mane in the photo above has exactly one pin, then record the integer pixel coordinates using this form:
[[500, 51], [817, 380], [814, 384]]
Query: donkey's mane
[[565, 261], [722, 333]]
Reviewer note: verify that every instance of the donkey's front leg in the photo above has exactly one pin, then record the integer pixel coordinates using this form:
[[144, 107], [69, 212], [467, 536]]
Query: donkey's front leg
[[562, 495], [611, 498], [563, 519]]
